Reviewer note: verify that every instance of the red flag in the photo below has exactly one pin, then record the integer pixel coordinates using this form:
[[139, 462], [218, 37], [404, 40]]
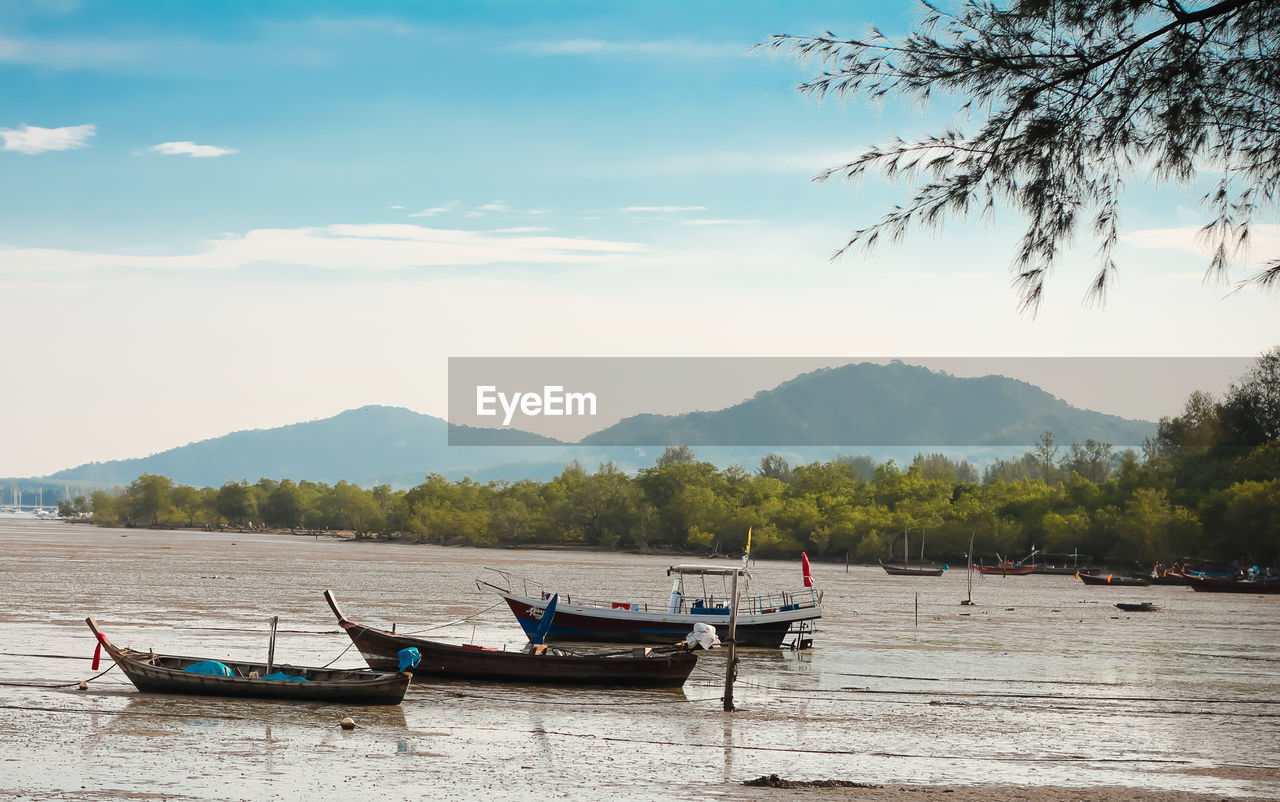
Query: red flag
[[804, 564], [97, 653]]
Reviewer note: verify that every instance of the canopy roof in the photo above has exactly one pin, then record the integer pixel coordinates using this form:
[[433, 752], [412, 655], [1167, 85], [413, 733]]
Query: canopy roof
[[712, 570]]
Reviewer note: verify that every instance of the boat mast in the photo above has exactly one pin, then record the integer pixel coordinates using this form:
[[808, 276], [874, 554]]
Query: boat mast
[[969, 600]]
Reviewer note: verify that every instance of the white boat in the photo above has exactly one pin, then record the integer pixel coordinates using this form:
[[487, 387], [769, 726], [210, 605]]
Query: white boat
[[762, 620]]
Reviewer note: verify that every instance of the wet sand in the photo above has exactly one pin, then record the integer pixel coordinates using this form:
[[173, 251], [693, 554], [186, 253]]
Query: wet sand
[[1041, 691], [986, 793]]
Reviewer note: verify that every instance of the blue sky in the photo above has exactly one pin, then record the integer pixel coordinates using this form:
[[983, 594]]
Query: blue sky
[[239, 215]]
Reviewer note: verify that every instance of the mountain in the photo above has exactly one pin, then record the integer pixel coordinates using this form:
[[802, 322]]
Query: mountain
[[360, 445], [870, 405], [886, 411]]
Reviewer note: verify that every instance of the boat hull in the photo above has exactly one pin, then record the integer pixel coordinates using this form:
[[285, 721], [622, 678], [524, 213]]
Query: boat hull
[[894, 570], [1001, 570], [594, 624], [1207, 585], [1112, 580]]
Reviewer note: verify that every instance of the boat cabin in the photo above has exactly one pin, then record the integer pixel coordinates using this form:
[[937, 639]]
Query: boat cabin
[[690, 592]]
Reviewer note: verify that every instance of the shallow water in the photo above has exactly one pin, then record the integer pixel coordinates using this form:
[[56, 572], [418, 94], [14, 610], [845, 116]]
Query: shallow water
[[1042, 682]]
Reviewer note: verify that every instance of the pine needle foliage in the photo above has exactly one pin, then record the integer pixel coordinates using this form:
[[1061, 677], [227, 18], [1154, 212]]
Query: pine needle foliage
[[1065, 101]]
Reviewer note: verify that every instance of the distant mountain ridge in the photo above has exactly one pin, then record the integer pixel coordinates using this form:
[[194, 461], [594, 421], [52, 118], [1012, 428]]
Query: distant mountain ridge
[[876, 407], [869, 405], [359, 445]]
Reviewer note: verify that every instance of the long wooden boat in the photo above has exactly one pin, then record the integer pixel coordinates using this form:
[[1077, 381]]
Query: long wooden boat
[[162, 673], [654, 668], [1114, 580], [1214, 585], [1006, 569], [905, 569], [762, 620], [901, 570]]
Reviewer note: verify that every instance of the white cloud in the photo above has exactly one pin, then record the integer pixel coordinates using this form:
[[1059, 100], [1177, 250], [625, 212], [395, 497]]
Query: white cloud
[[719, 222], [384, 246], [192, 149], [494, 206], [520, 230], [664, 209], [436, 210], [31, 139], [397, 207]]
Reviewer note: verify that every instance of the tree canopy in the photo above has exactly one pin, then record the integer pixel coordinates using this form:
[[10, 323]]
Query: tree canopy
[[1067, 99]]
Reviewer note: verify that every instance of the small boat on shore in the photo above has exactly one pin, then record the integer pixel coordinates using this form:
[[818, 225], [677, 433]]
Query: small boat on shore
[[1139, 607], [902, 570], [905, 569], [1006, 568], [163, 673], [1114, 580], [762, 620], [634, 668]]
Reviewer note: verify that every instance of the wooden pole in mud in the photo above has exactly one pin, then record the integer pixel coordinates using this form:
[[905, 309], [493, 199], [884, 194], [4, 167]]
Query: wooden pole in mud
[[730, 671], [271, 650]]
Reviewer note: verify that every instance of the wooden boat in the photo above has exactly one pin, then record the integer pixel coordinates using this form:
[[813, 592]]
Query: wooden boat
[[1139, 607], [900, 570], [1206, 584], [655, 668], [162, 673], [762, 620], [1114, 580], [1007, 568], [905, 569]]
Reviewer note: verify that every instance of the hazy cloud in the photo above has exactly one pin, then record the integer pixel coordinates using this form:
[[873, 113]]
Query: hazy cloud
[[66, 53], [436, 210], [31, 139], [604, 47], [1264, 239], [718, 222], [384, 246], [664, 209]]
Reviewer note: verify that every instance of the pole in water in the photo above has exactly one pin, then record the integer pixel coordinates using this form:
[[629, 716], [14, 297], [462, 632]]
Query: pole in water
[[730, 670], [917, 609], [271, 651]]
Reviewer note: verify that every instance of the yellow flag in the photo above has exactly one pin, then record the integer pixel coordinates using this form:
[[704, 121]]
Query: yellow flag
[[748, 540]]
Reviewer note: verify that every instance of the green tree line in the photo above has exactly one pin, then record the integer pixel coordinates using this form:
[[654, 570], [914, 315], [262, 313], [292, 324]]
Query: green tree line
[[1207, 486]]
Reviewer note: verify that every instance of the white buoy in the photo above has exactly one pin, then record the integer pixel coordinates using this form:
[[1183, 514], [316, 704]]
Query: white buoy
[[348, 723], [84, 686]]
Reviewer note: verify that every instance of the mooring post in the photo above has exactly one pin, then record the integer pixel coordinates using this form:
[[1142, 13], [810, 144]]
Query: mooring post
[[271, 650], [730, 669], [917, 608]]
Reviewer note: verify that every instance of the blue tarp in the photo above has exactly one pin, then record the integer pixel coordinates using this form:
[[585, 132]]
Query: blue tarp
[[409, 658], [284, 676], [209, 667]]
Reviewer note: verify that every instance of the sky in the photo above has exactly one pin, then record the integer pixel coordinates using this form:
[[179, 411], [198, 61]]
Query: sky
[[239, 215]]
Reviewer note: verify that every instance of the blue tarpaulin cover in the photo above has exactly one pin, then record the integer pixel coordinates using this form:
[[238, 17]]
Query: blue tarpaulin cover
[[284, 676], [409, 658], [208, 667]]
